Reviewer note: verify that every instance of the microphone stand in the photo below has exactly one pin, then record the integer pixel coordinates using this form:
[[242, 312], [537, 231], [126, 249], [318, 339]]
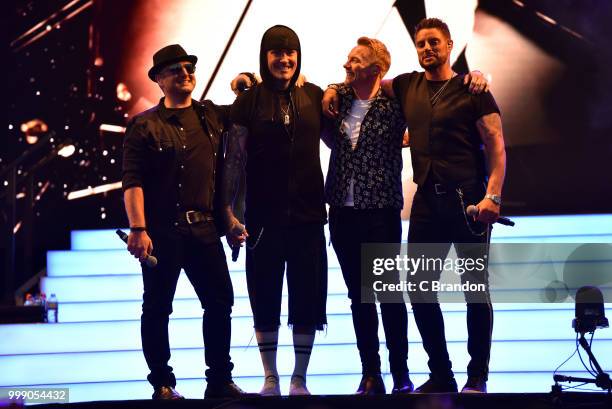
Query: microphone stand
[[601, 380]]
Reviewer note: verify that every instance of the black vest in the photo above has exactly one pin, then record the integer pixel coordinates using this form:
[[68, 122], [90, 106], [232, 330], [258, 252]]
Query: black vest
[[445, 145]]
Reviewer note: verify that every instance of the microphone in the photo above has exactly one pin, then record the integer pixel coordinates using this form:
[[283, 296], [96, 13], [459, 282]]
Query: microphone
[[235, 253], [473, 211], [150, 261], [241, 87]]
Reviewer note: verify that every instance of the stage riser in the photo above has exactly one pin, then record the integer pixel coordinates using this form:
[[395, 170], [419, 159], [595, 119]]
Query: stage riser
[[509, 326], [95, 349], [542, 228], [513, 356], [95, 311]]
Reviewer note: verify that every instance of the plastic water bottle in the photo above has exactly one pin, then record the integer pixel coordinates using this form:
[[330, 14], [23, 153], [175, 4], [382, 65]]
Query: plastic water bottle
[[52, 307]]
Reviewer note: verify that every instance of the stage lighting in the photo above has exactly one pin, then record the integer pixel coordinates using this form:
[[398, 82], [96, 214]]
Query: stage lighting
[[590, 315], [66, 150], [33, 129], [123, 93], [590, 312]]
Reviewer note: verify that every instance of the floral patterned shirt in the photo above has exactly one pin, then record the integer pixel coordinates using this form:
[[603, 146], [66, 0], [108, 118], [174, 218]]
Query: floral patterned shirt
[[375, 164]]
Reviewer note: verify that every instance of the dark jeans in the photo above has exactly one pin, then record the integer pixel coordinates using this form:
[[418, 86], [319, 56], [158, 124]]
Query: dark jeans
[[302, 249], [349, 228], [198, 250], [439, 218]]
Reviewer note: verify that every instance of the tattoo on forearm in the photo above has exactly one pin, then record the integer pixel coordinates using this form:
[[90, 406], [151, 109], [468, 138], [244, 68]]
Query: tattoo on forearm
[[490, 129], [235, 161]]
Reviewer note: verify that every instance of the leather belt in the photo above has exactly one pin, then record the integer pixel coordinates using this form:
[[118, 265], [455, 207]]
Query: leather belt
[[444, 188], [195, 216]]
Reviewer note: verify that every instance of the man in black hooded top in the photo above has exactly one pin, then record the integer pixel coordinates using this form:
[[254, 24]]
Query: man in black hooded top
[[275, 139]]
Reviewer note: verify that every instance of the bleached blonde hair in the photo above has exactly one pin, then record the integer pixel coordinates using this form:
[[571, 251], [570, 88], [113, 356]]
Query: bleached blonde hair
[[380, 54]]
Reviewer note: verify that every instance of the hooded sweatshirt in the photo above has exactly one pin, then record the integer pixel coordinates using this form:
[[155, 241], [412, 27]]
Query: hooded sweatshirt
[[284, 181]]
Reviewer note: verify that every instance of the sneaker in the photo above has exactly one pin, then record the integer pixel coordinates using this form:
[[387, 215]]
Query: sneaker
[[166, 393], [438, 386], [475, 384], [297, 387], [271, 386]]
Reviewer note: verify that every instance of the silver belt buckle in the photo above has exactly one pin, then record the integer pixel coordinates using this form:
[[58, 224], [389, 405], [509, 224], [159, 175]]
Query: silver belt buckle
[[439, 189], [187, 214]]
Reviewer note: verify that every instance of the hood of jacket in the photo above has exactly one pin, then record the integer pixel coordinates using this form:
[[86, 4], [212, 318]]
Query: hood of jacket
[[278, 37]]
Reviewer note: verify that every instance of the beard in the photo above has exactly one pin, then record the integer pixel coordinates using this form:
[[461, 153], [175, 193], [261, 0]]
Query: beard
[[437, 62]]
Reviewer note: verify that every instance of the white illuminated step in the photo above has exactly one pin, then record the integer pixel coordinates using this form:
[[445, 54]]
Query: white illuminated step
[[62, 263], [130, 287], [187, 333], [540, 227], [182, 308], [91, 311], [517, 284], [545, 227], [510, 356]]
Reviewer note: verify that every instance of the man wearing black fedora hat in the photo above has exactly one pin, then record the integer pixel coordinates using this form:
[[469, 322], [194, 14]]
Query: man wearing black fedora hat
[[172, 154]]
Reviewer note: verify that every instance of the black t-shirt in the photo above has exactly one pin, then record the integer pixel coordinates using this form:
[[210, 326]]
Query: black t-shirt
[[445, 143], [284, 181]]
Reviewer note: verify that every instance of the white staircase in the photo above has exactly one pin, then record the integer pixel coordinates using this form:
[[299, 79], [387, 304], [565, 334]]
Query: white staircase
[[95, 350]]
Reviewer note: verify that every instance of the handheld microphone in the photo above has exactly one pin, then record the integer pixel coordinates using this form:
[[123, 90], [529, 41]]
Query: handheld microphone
[[150, 261], [472, 210], [241, 87], [235, 253]]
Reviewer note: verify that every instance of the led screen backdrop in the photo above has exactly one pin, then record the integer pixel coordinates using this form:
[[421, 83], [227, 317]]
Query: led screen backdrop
[[548, 63], [546, 74]]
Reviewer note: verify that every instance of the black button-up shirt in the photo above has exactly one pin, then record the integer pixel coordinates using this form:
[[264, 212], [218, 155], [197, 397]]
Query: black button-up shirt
[[175, 156]]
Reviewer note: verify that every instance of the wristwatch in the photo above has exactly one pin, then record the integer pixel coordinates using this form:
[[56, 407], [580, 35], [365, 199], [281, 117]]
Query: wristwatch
[[494, 198]]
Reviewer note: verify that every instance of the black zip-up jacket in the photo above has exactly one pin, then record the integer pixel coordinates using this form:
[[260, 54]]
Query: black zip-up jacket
[[154, 158], [283, 169]]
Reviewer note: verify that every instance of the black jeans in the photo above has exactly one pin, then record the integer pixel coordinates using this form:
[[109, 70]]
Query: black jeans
[[198, 250], [349, 228], [438, 218], [302, 249]]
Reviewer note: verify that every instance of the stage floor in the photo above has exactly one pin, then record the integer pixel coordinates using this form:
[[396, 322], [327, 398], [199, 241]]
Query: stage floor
[[431, 401]]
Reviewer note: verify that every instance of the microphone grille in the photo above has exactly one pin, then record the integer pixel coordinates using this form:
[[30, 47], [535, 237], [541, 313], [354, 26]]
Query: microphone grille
[[151, 261], [472, 210]]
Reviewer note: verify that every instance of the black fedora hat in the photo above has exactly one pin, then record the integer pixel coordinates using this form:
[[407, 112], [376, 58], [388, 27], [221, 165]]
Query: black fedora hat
[[169, 55]]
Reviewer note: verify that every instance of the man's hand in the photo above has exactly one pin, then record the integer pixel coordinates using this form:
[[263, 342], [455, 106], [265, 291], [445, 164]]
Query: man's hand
[[478, 82], [330, 103], [488, 211], [236, 232], [301, 80], [241, 83], [139, 245]]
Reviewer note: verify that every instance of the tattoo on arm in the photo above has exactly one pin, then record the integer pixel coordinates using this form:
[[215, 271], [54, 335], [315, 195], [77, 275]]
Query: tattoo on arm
[[490, 130], [235, 162]]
